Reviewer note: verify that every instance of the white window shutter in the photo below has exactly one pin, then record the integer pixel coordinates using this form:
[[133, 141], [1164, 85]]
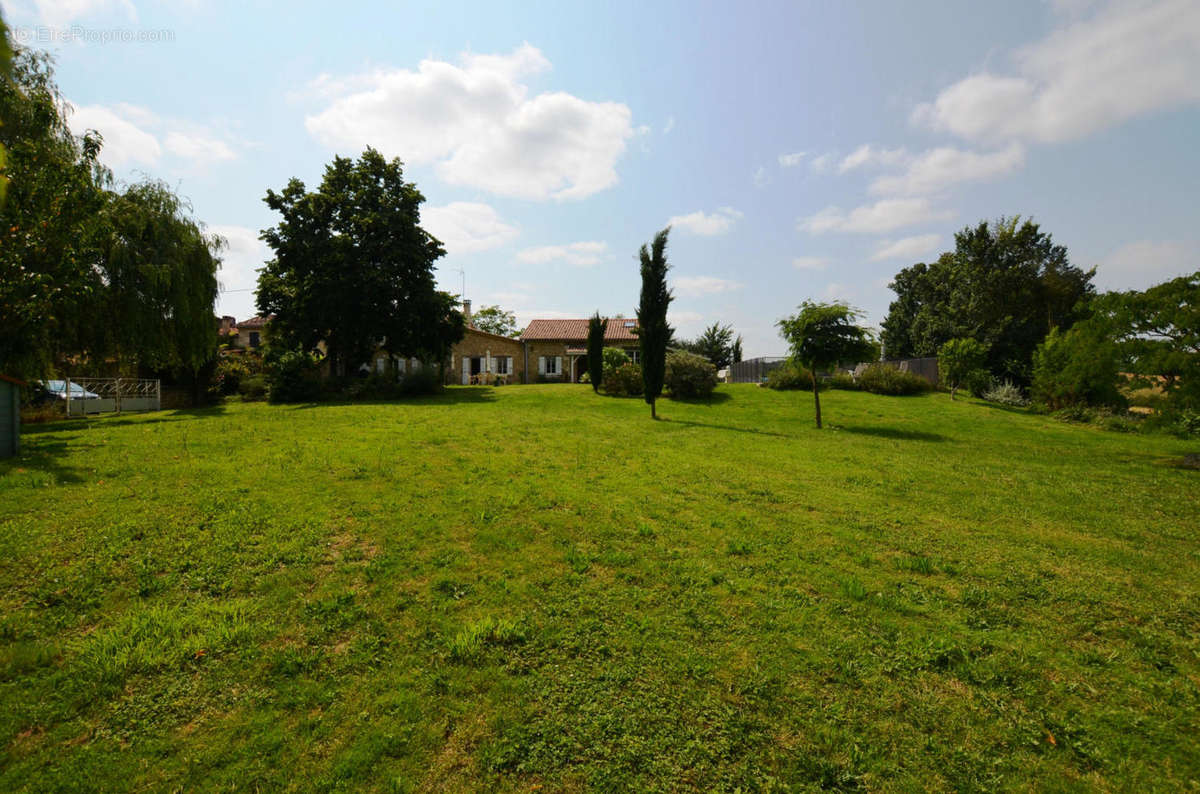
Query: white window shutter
[[558, 365], [508, 369], [541, 365]]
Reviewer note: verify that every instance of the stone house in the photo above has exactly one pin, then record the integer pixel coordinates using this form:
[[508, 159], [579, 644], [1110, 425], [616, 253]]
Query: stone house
[[251, 333], [556, 350]]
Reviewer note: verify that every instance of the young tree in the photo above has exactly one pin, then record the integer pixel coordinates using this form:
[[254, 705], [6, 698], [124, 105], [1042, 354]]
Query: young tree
[[735, 353], [595, 350], [821, 335], [497, 321], [353, 268], [653, 331], [957, 359]]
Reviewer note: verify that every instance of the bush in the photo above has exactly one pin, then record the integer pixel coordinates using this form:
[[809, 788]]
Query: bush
[[624, 381], [882, 379], [253, 388], [689, 375], [292, 376], [1080, 367], [585, 378], [789, 376], [978, 382], [1006, 393], [614, 358], [844, 381], [426, 380]]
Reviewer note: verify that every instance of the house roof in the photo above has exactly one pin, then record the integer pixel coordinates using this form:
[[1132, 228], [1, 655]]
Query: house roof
[[12, 380], [618, 330], [255, 322], [473, 330]]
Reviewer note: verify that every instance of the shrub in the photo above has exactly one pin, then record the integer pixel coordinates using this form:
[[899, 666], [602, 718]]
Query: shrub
[[882, 379], [253, 388], [292, 376], [426, 380], [614, 357], [789, 376], [1080, 367], [624, 381], [978, 382], [689, 375], [844, 381], [958, 359], [1005, 393], [585, 378]]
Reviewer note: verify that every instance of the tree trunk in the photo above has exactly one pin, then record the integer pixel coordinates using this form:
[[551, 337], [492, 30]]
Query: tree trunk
[[817, 399], [952, 390], [653, 412]]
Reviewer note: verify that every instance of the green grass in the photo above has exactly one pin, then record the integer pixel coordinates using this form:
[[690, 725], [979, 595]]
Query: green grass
[[540, 587]]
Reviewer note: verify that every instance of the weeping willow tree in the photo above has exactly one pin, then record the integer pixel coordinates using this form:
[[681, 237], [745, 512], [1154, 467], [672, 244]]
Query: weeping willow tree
[[91, 276], [160, 273]]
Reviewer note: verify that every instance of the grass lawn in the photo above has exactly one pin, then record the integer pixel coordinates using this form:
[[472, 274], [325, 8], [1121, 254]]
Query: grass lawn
[[537, 587]]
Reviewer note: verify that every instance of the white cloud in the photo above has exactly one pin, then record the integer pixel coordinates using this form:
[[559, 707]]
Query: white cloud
[[821, 163], [125, 143], [685, 322], [837, 292], [476, 122], [791, 160], [866, 155], [882, 216], [1126, 60], [695, 286], [61, 13], [907, 247], [810, 263], [581, 254], [466, 227], [761, 177], [135, 135], [198, 147], [1145, 263], [670, 125], [706, 225], [939, 168]]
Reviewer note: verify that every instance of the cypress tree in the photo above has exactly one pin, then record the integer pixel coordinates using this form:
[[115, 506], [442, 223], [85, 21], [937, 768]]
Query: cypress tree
[[595, 349], [653, 332]]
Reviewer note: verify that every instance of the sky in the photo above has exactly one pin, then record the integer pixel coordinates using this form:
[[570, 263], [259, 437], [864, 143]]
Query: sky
[[798, 150]]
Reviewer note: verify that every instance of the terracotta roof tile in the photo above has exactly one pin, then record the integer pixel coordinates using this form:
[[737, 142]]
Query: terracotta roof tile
[[618, 330], [255, 322]]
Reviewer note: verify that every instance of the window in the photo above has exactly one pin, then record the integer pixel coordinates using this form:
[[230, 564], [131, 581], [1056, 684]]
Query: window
[[254, 339], [635, 356], [504, 365], [550, 365]]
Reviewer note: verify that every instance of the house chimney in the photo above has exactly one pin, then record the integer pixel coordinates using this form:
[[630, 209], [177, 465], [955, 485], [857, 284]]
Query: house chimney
[[467, 310]]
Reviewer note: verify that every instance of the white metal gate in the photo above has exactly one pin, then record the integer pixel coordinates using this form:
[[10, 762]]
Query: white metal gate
[[112, 395]]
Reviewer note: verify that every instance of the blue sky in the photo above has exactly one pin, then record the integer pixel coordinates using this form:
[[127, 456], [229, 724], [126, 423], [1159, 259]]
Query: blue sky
[[801, 150]]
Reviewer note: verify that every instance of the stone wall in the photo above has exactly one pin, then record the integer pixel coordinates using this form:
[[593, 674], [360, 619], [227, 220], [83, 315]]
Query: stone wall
[[476, 344]]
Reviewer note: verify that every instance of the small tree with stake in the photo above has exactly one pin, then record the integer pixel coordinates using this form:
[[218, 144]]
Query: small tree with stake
[[595, 349], [958, 359], [653, 332], [823, 334]]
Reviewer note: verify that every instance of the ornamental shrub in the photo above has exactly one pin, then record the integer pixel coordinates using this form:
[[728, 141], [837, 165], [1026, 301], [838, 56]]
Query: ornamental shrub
[[614, 357], [689, 375], [1079, 367], [842, 380], [789, 376], [882, 379], [292, 376], [1005, 393], [624, 381]]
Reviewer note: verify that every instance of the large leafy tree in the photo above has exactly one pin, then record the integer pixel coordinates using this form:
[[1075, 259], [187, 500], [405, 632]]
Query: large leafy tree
[[595, 349], [1006, 284], [497, 321], [653, 332], [353, 268], [822, 335], [1158, 332]]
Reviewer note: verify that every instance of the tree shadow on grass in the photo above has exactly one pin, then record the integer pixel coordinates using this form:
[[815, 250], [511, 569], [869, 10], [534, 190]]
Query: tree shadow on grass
[[120, 420], [45, 456], [751, 430], [895, 433], [457, 396], [715, 398]]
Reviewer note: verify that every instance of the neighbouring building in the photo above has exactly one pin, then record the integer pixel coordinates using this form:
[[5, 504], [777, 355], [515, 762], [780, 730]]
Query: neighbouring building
[[483, 357], [10, 416], [252, 333], [556, 350]]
